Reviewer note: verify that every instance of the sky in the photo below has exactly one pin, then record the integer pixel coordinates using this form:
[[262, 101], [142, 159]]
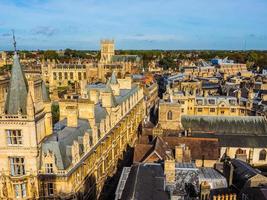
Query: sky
[[134, 24]]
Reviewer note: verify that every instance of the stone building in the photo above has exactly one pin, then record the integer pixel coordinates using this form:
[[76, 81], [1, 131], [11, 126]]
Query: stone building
[[58, 74], [25, 121], [73, 159]]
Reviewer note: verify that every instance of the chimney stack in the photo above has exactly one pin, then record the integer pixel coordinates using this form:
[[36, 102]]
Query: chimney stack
[[72, 116]]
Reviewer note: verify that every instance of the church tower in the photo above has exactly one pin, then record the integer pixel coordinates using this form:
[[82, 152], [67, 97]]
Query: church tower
[[107, 50]]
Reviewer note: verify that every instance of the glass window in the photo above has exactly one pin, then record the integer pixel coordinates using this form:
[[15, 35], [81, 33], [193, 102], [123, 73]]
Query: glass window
[[20, 190], [49, 168], [71, 75], [50, 189], [17, 166], [55, 76], [211, 101], [14, 137], [212, 109], [65, 75], [169, 115], [199, 109], [233, 110], [80, 76]]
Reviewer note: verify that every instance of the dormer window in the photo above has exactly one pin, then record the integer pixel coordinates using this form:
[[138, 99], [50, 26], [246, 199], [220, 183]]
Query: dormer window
[[211, 101], [199, 101], [49, 168]]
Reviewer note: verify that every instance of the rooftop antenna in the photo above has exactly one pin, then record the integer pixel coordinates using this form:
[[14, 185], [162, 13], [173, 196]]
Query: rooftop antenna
[[14, 41]]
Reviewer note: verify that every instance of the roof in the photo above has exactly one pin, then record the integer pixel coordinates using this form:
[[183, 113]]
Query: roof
[[16, 101], [240, 125], [113, 79], [126, 58], [145, 181], [207, 147], [142, 152], [60, 142], [247, 141]]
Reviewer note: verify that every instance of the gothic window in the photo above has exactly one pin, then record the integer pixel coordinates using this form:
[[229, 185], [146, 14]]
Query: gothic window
[[20, 190], [17, 166], [84, 75], [49, 168], [262, 155], [169, 115], [55, 76], [14, 137]]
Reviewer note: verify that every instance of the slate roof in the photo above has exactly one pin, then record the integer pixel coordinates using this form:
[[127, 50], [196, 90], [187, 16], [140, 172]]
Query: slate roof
[[245, 125], [60, 142], [246, 141], [146, 182], [113, 79], [125, 58], [18, 90]]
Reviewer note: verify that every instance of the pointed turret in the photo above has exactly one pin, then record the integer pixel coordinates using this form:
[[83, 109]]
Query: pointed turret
[[16, 101], [113, 79], [114, 84]]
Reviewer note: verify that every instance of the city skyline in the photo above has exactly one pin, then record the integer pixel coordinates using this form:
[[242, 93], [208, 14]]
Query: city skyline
[[145, 24]]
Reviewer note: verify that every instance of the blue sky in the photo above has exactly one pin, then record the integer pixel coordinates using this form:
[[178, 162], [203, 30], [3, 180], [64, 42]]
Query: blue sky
[[134, 24]]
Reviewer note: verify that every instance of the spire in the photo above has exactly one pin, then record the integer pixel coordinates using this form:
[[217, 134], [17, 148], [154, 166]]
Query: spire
[[113, 79], [16, 101]]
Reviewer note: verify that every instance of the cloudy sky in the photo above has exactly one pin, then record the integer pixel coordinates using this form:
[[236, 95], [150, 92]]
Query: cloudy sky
[[134, 24]]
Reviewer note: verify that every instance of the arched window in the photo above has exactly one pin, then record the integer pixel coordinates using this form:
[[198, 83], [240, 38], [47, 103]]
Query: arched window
[[169, 115], [262, 155]]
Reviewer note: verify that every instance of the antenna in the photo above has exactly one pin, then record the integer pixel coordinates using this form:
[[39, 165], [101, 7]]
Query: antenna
[[14, 41]]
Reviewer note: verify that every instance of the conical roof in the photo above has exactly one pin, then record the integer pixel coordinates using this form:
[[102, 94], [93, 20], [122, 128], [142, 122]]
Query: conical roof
[[113, 79], [16, 101]]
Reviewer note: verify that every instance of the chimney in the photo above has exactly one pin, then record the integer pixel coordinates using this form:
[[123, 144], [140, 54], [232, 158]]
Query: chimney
[[72, 116], [169, 170], [94, 96], [179, 153]]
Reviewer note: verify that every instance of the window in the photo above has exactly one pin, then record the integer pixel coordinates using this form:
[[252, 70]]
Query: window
[[60, 75], [84, 75], [65, 75], [55, 76], [262, 155], [199, 109], [182, 110], [49, 168], [169, 115], [211, 101], [14, 137], [49, 189], [71, 75], [17, 166], [199, 101], [20, 190], [80, 76], [212, 109], [222, 112], [233, 110]]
